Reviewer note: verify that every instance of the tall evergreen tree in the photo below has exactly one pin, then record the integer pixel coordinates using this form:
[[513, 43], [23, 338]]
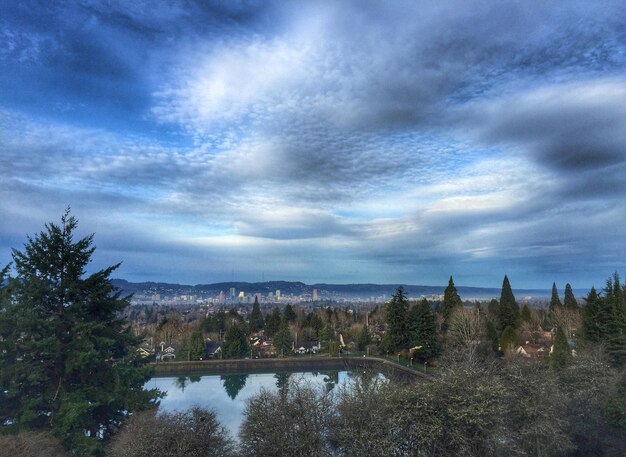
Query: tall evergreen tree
[[423, 330], [595, 318], [68, 359], [316, 324], [256, 317], [492, 335], [569, 301], [273, 323], [604, 319], [555, 301], [616, 305], [396, 313], [561, 354], [289, 313], [364, 338], [492, 309], [451, 300], [283, 342], [235, 343], [508, 309], [526, 315], [508, 339], [196, 346]]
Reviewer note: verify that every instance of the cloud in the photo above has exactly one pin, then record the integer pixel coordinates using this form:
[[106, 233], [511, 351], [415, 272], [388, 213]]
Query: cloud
[[291, 223], [332, 140], [570, 128]]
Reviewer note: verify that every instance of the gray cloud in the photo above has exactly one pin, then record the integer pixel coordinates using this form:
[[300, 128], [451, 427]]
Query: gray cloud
[[575, 131], [342, 140]]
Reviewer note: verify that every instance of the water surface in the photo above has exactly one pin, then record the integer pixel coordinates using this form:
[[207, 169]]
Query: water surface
[[227, 394]]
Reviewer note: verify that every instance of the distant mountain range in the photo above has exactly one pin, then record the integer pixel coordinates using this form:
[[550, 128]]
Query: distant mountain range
[[339, 290]]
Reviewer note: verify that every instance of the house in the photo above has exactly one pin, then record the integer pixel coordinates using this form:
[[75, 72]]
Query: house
[[166, 352], [532, 350], [257, 341], [308, 347], [211, 350], [143, 352], [145, 349]]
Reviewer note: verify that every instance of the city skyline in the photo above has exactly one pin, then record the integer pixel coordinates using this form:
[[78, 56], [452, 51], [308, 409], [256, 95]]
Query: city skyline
[[323, 142]]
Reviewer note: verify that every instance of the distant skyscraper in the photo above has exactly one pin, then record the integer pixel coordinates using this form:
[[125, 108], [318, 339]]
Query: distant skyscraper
[[314, 294], [232, 292], [221, 297], [277, 294]]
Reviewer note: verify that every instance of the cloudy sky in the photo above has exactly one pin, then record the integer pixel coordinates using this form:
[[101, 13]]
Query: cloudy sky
[[365, 141]]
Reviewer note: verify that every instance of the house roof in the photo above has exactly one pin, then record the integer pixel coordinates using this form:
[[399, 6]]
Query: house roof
[[532, 349], [211, 347]]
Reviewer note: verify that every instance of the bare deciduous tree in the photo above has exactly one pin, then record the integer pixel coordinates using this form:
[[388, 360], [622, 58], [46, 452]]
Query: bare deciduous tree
[[295, 421], [465, 327], [568, 319], [192, 433], [31, 444]]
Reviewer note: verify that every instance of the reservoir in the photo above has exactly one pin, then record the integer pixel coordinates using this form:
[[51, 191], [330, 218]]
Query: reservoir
[[227, 394]]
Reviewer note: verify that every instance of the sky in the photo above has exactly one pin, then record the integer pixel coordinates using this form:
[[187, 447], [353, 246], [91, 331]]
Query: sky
[[320, 141]]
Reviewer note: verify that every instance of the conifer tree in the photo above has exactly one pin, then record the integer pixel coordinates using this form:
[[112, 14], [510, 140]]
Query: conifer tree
[[492, 335], [604, 319], [508, 309], [235, 343], [423, 330], [196, 346], [364, 339], [67, 358], [396, 310], [316, 324], [273, 323], [561, 354], [282, 340], [616, 328], [555, 301], [526, 315], [289, 313], [327, 336], [492, 309], [508, 339], [451, 300], [595, 318], [569, 301], [256, 317]]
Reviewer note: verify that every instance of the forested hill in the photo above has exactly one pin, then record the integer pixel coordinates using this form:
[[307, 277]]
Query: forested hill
[[342, 290]]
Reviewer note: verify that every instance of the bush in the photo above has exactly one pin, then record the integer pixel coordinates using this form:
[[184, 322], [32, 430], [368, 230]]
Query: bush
[[31, 444], [295, 421], [192, 433]]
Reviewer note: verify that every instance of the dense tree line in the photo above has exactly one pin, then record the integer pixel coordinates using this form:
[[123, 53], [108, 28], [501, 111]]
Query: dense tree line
[[70, 378]]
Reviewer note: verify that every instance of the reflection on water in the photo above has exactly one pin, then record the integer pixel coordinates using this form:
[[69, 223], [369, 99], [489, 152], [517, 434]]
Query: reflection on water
[[227, 394], [233, 383], [182, 381], [282, 381]]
